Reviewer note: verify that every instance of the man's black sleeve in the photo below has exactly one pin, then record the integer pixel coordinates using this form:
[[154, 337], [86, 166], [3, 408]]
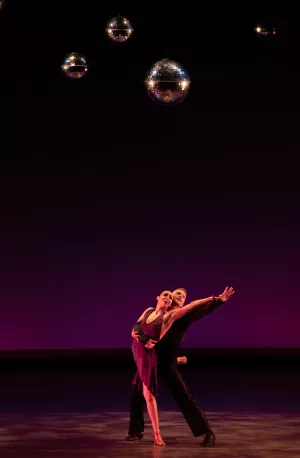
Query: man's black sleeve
[[207, 309]]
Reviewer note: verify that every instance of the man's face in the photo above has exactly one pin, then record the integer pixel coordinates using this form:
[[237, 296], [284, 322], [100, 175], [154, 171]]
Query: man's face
[[179, 297]]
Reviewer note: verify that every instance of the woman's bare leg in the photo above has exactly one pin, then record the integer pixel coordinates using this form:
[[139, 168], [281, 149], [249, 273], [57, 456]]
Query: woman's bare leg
[[153, 414]]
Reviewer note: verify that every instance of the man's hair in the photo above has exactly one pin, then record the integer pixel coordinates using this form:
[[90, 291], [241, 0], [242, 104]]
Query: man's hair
[[182, 289]]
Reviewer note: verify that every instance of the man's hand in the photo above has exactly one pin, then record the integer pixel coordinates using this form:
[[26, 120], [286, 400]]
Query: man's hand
[[135, 335], [227, 293], [150, 344], [181, 360]]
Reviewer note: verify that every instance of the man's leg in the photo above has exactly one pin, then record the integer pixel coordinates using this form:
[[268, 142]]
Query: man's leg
[[136, 424], [192, 413]]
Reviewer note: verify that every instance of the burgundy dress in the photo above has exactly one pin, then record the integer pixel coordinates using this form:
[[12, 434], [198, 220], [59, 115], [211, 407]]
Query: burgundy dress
[[146, 360]]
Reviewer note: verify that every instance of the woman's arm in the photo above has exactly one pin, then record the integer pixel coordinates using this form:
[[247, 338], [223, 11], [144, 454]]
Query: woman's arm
[[139, 321], [137, 334]]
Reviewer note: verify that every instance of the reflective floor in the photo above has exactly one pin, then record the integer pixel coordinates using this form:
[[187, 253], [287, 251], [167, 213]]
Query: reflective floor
[[84, 413], [102, 435]]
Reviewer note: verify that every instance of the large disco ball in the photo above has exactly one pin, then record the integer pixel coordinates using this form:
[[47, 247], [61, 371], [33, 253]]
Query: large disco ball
[[265, 32], [167, 82], [119, 29], [74, 66]]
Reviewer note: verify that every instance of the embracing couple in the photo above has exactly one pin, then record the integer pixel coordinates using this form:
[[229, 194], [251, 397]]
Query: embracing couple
[[158, 334]]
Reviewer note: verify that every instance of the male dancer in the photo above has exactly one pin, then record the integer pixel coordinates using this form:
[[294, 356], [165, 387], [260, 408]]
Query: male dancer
[[167, 350]]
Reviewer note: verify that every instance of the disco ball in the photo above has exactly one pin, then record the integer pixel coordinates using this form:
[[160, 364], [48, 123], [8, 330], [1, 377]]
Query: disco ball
[[74, 66], [119, 29], [167, 82], [265, 32]]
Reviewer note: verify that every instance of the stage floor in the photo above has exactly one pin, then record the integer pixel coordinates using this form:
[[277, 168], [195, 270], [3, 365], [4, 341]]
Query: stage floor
[[85, 435], [255, 413]]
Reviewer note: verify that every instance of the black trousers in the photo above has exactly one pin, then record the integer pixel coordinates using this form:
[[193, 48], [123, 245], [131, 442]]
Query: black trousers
[[192, 413]]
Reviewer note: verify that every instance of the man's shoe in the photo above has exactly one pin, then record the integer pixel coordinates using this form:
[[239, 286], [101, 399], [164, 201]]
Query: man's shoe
[[209, 440], [134, 437]]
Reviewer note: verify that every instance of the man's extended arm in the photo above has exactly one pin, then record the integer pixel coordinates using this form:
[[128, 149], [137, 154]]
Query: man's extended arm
[[199, 304], [206, 309]]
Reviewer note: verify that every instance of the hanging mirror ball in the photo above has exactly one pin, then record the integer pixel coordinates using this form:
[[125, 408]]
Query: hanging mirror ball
[[74, 66], [265, 32], [167, 82], [119, 29]]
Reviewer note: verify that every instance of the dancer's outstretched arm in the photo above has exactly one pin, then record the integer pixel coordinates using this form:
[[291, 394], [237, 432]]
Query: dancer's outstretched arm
[[179, 313], [200, 312]]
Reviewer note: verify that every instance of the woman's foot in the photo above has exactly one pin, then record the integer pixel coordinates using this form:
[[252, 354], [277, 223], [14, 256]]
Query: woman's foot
[[158, 439]]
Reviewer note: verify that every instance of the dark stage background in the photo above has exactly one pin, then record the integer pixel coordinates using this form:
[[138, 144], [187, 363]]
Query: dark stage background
[[107, 198]]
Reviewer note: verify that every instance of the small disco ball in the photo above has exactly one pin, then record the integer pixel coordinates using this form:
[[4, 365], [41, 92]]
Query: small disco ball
[[119, 29], [74, 66], [167, 82], [265, 33]]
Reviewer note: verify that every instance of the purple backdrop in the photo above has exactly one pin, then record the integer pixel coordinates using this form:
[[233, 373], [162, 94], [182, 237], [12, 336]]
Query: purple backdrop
[[80, 278], [106, 198]]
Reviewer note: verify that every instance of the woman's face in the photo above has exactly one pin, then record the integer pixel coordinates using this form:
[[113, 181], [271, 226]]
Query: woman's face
[[165, 300]]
